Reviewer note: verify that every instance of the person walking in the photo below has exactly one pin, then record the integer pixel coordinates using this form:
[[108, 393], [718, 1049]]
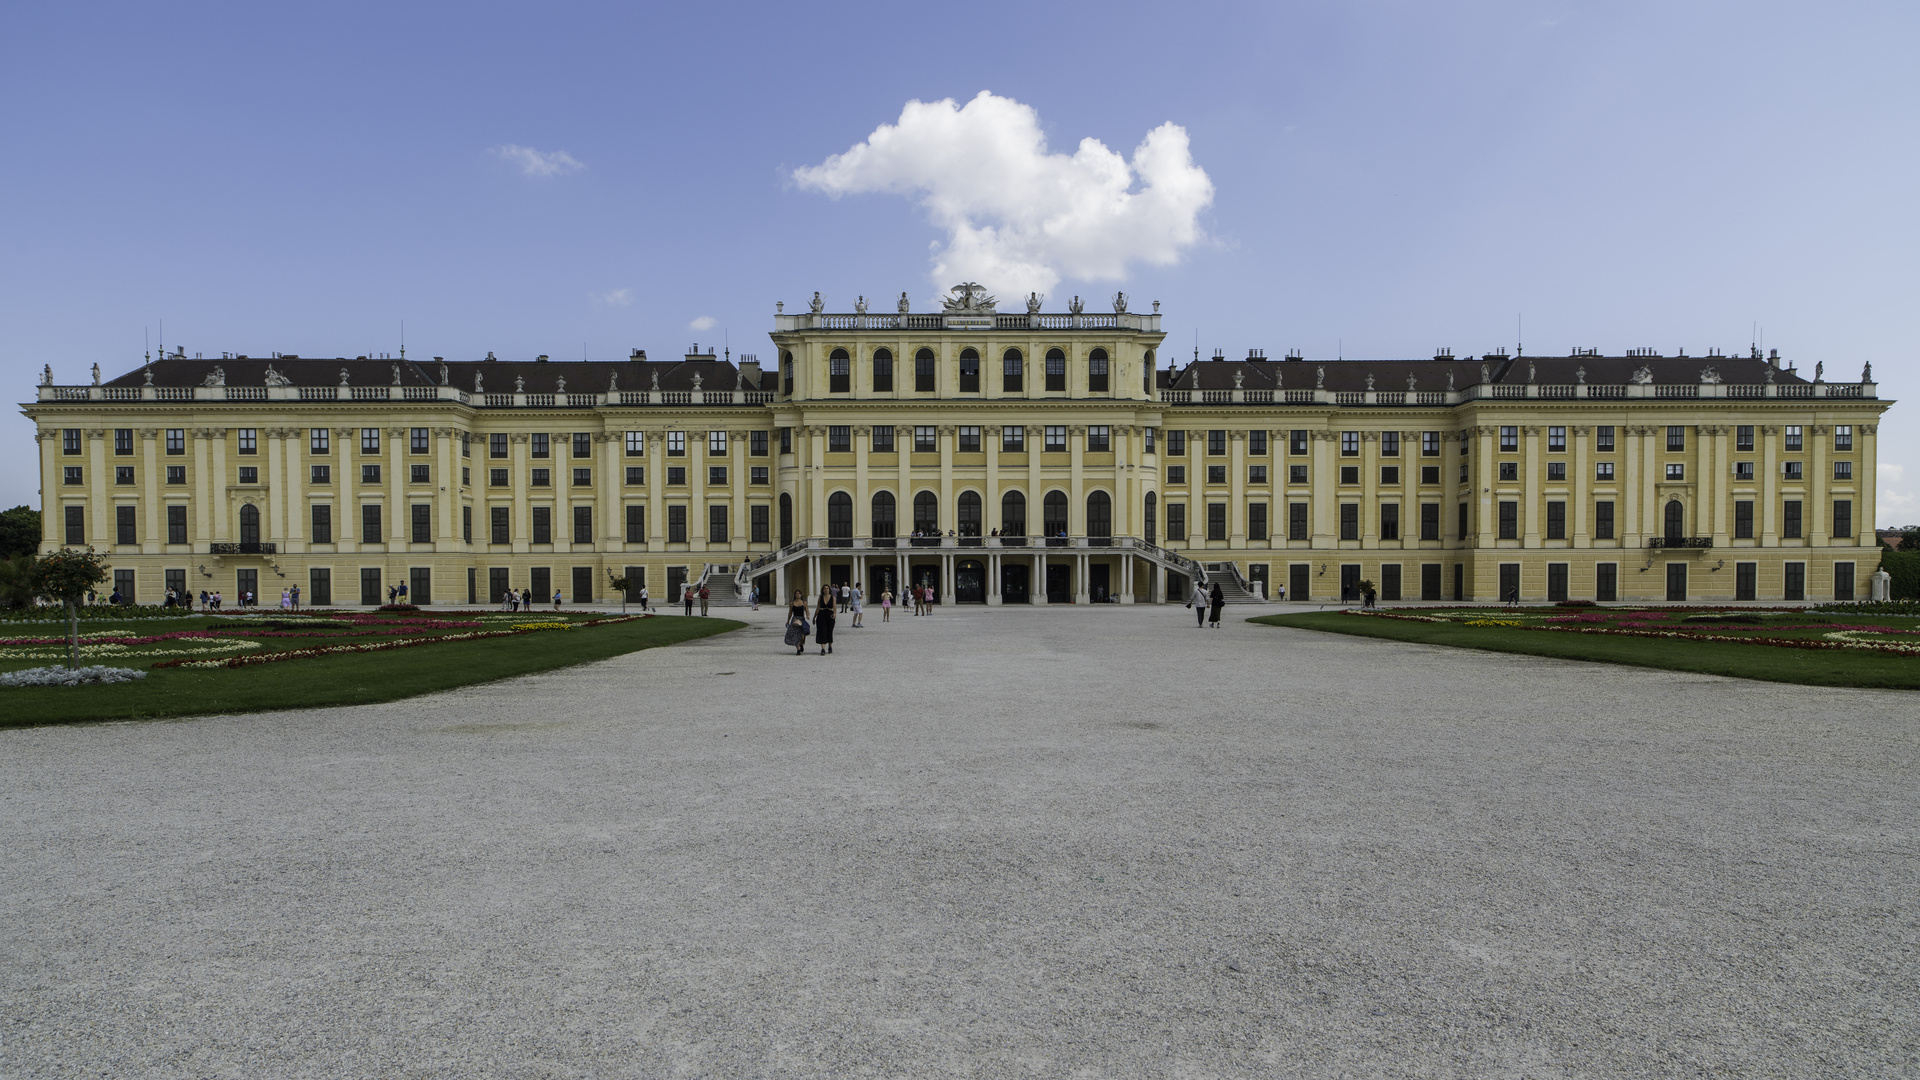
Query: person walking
[[753, 596], [797, 628], [1215, 601], [823, 622], [704, 596], [858, 605], [846, 597], [1200, 601], [886, 605], [643, 598], [686, 599], [296, 598], [556, 599]]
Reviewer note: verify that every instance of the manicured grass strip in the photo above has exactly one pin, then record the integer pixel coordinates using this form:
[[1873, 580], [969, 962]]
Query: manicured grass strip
[[1771, 663], [357, 679]]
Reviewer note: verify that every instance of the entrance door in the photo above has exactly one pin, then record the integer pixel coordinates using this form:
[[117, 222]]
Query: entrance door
[[1430, 581], [1676, 581], [1349, 582], [676, 581], [970, 582], [880, 580], [249, 582], [1746, 581], [1299, 580], [1014, 584], [1059, 583], [924, 575], [420, 585], [496, 584], [839, 574], [1509, 581], [1099, 582]]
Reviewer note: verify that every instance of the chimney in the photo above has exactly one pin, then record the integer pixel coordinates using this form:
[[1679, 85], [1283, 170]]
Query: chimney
[[750, 369]]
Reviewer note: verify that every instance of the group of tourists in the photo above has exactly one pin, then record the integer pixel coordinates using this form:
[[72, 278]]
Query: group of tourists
[[693, 594], [522, 599], [1206, 604]]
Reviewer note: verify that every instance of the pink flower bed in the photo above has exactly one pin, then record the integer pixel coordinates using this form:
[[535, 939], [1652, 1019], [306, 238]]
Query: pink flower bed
[[405, 643]]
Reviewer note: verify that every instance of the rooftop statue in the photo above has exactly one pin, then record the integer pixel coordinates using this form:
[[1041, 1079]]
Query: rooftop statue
[[1709, 376], [1819, 370], [343, 376], [275, 378], [477, 384], [969, 298], [613, 381], [1411, 380], [818, 305], [1369, 383], [396, 374], [696, 380], [519, 384], [905, 305], [443, 374], [1769, 372], [149, 372], [1320, 376], [1486, 374], [1530, 371], [560, 385], [1580, 374], [860, 305], [96, 374], [216, 377], [1237, 376], [1033, 303], [1866, 373], [1075, 306], [1642, 375], [46, 374], [1449, 381], [656, 380], [1119, 303]]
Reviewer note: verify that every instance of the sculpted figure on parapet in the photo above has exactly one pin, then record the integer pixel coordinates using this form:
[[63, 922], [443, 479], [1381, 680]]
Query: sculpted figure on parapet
[[969, 298]]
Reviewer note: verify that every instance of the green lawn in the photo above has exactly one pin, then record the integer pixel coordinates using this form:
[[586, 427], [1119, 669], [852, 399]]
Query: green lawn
[[1825, 667], [355, 679]]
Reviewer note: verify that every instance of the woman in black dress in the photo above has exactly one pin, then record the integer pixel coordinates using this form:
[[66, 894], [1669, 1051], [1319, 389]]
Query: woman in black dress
[[823, 622], [1215, 601], [797, 623]]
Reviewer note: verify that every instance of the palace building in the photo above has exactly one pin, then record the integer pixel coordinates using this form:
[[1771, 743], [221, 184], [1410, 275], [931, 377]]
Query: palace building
[[1004, 457]]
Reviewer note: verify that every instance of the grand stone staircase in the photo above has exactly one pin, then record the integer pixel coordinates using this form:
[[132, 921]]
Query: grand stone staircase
[[1233, 588]]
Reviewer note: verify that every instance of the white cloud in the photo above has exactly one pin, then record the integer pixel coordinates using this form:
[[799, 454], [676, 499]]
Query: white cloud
[[539, 164], [704, 322], [1895, 509], [1018, 218], [613, 297]]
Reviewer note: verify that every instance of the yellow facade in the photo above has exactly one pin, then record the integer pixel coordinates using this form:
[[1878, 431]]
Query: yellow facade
[[1519, 473]]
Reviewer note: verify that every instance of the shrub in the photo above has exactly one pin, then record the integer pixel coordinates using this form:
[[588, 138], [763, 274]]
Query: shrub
[[70, 676], [399, 607], [1575, 603], [1873, 607], [96, 613]]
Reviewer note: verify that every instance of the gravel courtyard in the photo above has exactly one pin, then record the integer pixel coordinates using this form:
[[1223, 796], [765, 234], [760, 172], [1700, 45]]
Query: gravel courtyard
[[991, 842]]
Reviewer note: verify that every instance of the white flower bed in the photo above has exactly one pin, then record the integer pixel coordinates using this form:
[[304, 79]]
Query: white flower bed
[[64, 676]]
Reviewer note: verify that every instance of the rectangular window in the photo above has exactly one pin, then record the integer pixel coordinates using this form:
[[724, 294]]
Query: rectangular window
[[1793, 438], [126, 525], [1790, 520], [636, 475], [716, 475], [716, 444], [1429, 444], [676, 444], [497, 446], [317, 474], [583, 444], [1013, 440], [76, 525], [1843, 440], [882, 439], [1150, 436], [968, 439], [1216, 443], [636, 524], [1842, 470], [1603, 439], [1257, 443], [717, 523], [760, 531], [1349, 521], [1176, 443], [839, 439], [1390, 475], [1216, 474], [786, 440], [177, 525], [417, 441], [1795, 581], [370, 523], [757, 474], [542, 478], [1791, 470], [1099, 438], [1429, 521], [1603, 470], [756, 444], [1256, 474], [123, 475], [322, 523], [466, 476], [926, 439], [541, 447], [676, 476], [676, 524], [1843, 581], [1463, 521], [466, 444], [1297, 521], [584, 477], [1297, 441], [69, 440], [1176, 521], [1056, 436], [249, 474], [496, 477], [1509, 472], [123, 441], [1676, 471], [1556, 440], [1557, 472], [583, 524], [1349, 444], [543, 524], [422, 474], [1389, 521], [1349, 474], [1509, 520], [1176, 474], [1743, 438], [499, 525], [1509, 440], [177, 440], [1216, 521], [1676, 438], [1296, 474], [1842, 519], [1603, 519], [422, 523], [1557, 521], [466, 524], [1743, 519], [1743, 470], [369, 440], [1389, 444], [1257, 521], [249, 441], [177, 474], [73, 476]]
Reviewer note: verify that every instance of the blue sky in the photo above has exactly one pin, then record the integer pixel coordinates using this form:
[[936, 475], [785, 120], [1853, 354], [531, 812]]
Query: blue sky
[[1382, 178]]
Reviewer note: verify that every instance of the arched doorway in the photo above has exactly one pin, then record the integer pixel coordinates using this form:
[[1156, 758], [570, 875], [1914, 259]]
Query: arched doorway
[[839, 372], [1676, 521], [883, 371], [1053, 515], [1056, 370], [1099, 518], [970, 582], [967, 515], [1015, 583], [839, 520], [786, 519], [1012, 367], [1149, 520], [249, 524], [883, 517], [969, 371], [1013, 515], [926, 514]]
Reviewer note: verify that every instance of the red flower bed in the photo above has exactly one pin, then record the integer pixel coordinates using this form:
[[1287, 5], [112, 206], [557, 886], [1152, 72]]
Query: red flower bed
[[328, 650]]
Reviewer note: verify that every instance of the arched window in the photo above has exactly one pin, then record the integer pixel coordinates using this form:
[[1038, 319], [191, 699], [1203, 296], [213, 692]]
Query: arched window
[[1099, 516], [883, 371], [1056, 370], [786, 373], [1146, 374], [249, 524], [840, 519], [786, 519], [1053, 513], [923, 379], [926, 514], [839, 372], [1676, 520], [1150, 519], [967, 513], [1013, 514], [883, 515], [1011, 367], [1097, 371], [969, 371]]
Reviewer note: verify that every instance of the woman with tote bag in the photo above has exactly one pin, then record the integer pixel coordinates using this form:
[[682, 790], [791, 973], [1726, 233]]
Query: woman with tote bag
[[797, 628]]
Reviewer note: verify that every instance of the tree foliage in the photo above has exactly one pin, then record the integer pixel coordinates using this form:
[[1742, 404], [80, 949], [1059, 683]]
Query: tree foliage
[[66, 575], [19, 531]]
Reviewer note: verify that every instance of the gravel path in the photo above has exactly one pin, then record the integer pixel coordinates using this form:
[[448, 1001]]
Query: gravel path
[[1019, 842]]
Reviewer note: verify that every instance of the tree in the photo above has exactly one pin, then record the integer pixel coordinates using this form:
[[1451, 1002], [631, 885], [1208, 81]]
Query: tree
[[619, 585], [66, 575], [19, 531], [14, 574]]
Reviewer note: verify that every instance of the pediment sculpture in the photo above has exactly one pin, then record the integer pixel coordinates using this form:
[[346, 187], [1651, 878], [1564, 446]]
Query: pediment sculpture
[[969, 297]]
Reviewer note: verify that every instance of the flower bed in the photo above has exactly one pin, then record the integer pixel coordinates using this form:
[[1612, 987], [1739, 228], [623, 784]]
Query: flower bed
[[65, 676], [1686, 625], [378, 646]]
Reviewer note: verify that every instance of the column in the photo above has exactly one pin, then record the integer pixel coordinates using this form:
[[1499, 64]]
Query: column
[[1237, 489], [1715, 480], [1035, 491], [1530, 481], [561, 444], [273, 489], [739, 530], [948, 518], [1817, 513], [1581, 489], [1080, 593], [1769, 494], [1037, 586], [1866, 477], [1076, 482], [1324, 446], [346, 523], [397, 512], [522, 517], [447, 491], [294, 487], [656, 479], [1125, 497], [1369, 489], [214, 482], [862, 496], [100, 530], [612, 508], [152, 512], [815, 513]]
